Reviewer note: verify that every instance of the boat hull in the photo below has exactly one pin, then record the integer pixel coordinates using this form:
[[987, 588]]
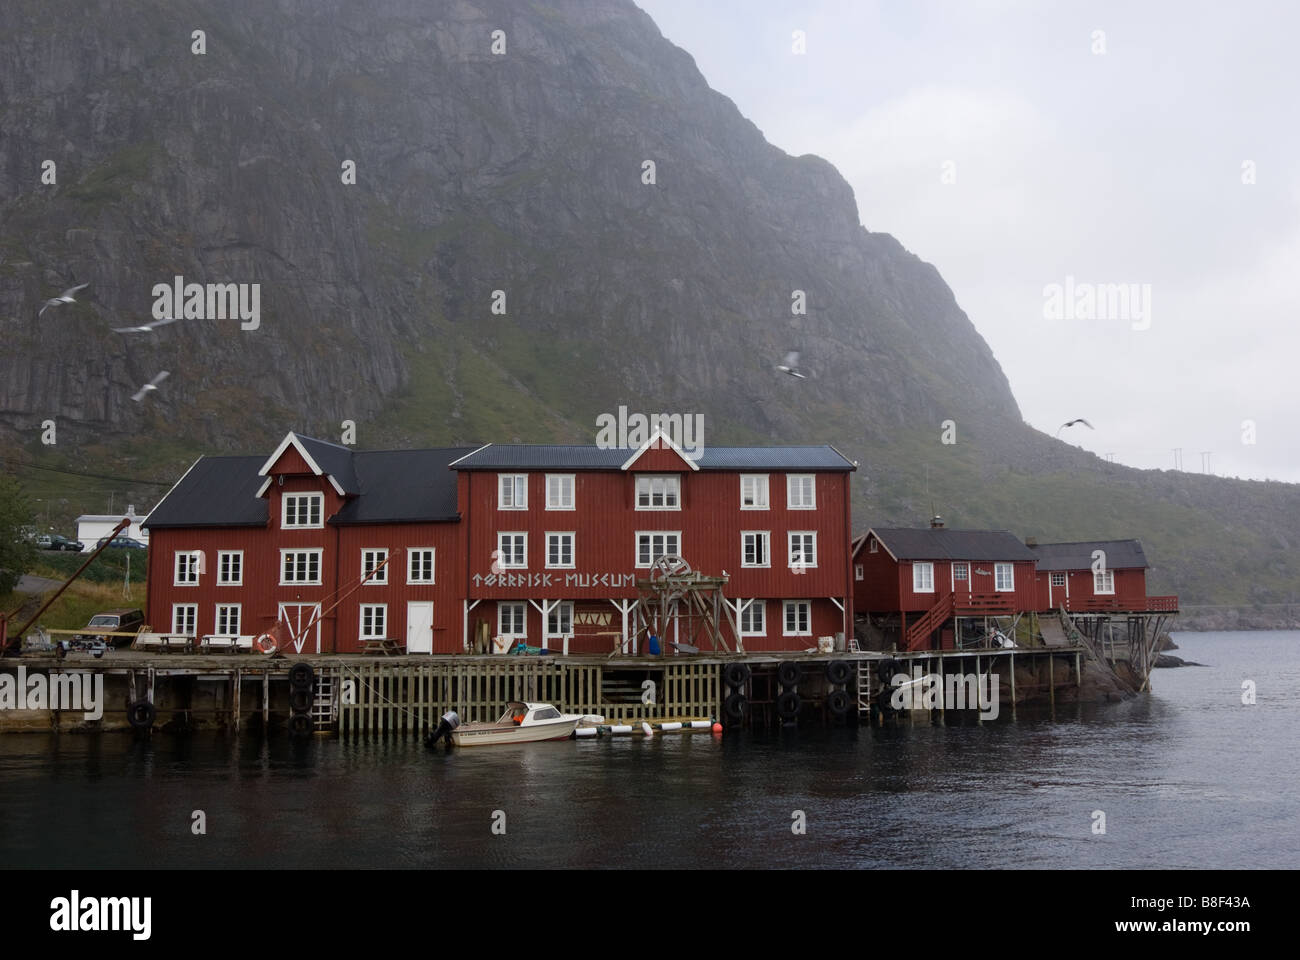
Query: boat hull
[[492, 734]]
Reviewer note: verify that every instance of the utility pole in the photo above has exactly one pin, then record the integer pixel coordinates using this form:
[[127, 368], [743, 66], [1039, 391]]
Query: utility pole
[[1178, 458], [1205, 461]]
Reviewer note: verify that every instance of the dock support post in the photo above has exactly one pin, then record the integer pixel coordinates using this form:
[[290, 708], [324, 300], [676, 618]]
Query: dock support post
[[235, 691], [266, 699], [978, 679], [1078, 671], [150, 675], [1013, 686], [943, 698], [1051, 682]]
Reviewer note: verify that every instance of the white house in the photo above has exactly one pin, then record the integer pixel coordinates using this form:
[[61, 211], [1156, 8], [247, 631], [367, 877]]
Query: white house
[[92, 527]]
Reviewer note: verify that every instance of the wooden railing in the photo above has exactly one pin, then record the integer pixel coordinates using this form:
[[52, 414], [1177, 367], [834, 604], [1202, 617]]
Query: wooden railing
[[929, 622], [1117, 604]]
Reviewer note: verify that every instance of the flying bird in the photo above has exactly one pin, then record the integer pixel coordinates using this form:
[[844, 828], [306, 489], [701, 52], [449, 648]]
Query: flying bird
[[791, 362], [145, 327], [151, 385], [66, 297], [1070, 423]]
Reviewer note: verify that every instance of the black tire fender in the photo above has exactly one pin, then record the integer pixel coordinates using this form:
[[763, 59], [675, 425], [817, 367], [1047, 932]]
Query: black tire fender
[[141, 714], [788, 705], [301, 676], [837, 702], [300, 724], [300, 701], [735, 674], [735, 706], [789, 673], [838, 672]]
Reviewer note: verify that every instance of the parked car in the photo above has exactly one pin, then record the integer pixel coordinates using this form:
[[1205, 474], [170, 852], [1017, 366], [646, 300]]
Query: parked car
[[58, 542], [128, 542], [43, 541], [123, 620]]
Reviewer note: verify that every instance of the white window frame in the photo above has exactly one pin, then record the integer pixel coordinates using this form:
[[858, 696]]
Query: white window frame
[[502, 554], [414, 559], [918, 582], [557, 502], [1010, 570], [873, 545], [793, 502], [858, 573], [187, 567], [765, 538], [761, 493], [179, 627], [560, 610], [370, 563], [803, 563], [223, 578], [670, 486], [523, 619], [369, 634], [572, 557], [1103, 577], [318, 502], [518, 496], [963, 565], [785, 618], [750, 609], [1057, 578], [239, 619], [654, 556], [295, 551]]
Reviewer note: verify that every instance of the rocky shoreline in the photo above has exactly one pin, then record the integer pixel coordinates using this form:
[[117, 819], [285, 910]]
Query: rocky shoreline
[[1280, 616]]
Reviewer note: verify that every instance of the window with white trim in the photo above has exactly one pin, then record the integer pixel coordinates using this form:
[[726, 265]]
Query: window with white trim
[[302, 510], [857, 571], [511, 619], [300, 566], [873, 545], [753, 618], [659, 492], [961, 571], [1004, 577], [559, 622], [228, 617], [419, 565], [653, 544], [370, 561], [374, 621], [798, 619], [803, 549], [512, 491], [512, 551], [753, 491], [801, 491], [559, 491], [1058, 579], [185, 619], [230, 567], [923, 577], [187, 568], [755, 548], [559, 550], [1103, 581]]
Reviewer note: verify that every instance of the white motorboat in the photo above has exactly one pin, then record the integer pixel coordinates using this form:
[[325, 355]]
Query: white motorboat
[[522, 722]]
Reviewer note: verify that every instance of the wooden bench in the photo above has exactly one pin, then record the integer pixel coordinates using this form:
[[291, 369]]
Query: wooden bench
[[385, 646]]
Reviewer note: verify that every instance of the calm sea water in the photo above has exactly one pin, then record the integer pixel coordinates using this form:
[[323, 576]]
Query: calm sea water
[[1187, 777]]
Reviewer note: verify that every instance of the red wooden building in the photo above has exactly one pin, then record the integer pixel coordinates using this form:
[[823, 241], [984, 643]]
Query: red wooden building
[[542, 543], [1092, 576], [931, 577]]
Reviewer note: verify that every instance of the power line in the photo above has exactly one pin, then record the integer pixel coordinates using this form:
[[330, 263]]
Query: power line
[[92, 476]]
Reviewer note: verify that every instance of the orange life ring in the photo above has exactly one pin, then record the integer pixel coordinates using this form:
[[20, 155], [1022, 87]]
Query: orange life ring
[[265, 643]]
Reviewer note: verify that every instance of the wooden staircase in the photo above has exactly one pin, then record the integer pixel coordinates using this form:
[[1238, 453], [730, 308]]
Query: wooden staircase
[[920, 631]]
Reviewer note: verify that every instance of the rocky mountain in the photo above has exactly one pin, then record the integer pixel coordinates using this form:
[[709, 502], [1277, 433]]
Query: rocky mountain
[[552, 215]]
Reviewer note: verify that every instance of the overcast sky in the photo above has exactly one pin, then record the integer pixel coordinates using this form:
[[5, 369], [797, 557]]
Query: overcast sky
[[1122, 167]]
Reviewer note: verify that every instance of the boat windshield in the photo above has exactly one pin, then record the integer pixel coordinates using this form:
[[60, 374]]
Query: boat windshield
[[546, 713]]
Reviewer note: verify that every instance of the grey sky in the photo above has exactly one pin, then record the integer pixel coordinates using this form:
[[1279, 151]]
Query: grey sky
[[1122, 167]]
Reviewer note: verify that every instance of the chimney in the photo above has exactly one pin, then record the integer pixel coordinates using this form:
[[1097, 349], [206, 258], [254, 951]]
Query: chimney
[[1031, 541], [936, 522]]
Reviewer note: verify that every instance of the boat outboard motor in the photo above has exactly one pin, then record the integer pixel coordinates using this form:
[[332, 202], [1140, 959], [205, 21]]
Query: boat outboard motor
[[450, 721]]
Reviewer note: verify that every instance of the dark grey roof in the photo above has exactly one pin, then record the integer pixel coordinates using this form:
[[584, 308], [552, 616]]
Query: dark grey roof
[[1120, 554], [216, 491], [547, 456], [335, 460], [403, 486], [928, 543], [393, 486]]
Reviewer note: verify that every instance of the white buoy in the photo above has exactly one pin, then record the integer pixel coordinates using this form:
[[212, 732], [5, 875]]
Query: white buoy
[[701, 724], [620, 728], [671, 725], [646, 729], [585, 732]]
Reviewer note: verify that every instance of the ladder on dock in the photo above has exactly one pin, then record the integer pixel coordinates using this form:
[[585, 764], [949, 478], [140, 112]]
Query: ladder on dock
[[324, 711], [864, 687]]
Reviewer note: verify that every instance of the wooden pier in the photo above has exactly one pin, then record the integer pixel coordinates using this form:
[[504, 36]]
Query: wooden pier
[[405, 696]]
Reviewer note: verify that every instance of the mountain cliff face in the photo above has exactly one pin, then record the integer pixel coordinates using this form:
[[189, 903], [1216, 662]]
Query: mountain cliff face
[[476, 172]]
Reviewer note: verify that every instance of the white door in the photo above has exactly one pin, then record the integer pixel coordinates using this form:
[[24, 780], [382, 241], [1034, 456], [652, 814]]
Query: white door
[[419, 626], [302, 623]]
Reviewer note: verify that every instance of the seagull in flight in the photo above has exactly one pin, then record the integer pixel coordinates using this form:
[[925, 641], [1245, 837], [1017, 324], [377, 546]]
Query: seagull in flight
[[151, 385], [1070, 423], [66, 297], [791, 362], [146, 327]]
